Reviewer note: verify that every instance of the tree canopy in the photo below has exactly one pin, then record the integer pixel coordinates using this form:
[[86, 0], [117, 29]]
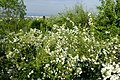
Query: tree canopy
[[12, 8]]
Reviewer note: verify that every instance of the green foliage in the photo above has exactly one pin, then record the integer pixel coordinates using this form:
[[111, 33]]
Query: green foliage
[[12, 8], [77, 14], [58, 54], [41, 24], [69, 46], [108, 19], [12, 14], [13, 25]]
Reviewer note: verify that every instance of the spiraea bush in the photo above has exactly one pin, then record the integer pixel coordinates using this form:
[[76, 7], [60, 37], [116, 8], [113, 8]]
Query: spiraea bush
[[61, 53], [73, 49]]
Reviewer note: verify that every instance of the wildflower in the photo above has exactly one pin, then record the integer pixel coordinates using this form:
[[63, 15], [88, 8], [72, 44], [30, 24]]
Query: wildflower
[[9, 54], [114, 77], [83, 58], [47, 65], [79, 70], [77, 57], [89, 14], [114, 51], [90, 19], [57, 60], [107, 32], [89, 50]]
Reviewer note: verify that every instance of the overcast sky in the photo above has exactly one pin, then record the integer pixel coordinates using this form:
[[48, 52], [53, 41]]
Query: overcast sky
[[52, 7]]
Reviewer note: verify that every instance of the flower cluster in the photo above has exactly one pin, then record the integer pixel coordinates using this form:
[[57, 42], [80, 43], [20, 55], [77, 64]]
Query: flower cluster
[[111, 71], [61, 53], [90, 22]]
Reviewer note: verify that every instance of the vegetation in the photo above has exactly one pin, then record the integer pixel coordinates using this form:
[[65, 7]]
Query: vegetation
[[73, 45], [12, 14], [77, 14], [108, 19], [12, 8]]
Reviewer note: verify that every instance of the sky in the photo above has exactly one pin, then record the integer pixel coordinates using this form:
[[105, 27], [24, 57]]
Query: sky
[[52, 7]]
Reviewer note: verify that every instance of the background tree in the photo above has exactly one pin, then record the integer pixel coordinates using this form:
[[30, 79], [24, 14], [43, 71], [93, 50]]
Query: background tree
[[12, 14], [108, 19], [12, 8]]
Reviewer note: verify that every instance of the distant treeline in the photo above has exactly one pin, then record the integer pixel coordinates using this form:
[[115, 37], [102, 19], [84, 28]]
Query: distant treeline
[[36, 17]]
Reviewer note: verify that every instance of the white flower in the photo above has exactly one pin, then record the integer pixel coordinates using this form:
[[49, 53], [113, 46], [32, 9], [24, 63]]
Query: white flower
[[92, 68], [63, 62], [23, 58], [57, 60], [108, 69], [30, 73], [114, 77], [104, 51], [83, 58], [52, 72], [115, 47], [68, 18], [9, 54], [55, 26], [107, 32], [70, 69], [114, 51], [89, 14], [79, 70], [11, 77], [77, 57], [28, 76], [47, 65], [90, 20], [88, 50]]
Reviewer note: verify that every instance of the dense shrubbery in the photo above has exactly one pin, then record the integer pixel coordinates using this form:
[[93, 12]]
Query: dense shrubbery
[[34, 55], [59, 54], [108, 19], [41, 24], [67, 47]]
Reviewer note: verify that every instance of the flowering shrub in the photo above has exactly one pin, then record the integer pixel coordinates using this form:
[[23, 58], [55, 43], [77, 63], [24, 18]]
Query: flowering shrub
[[61, 53]]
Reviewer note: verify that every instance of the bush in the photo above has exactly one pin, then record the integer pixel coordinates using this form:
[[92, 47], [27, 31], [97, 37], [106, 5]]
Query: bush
[[66, 50], [13, 25], [41, 24], [108, 19], [59, 54]]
